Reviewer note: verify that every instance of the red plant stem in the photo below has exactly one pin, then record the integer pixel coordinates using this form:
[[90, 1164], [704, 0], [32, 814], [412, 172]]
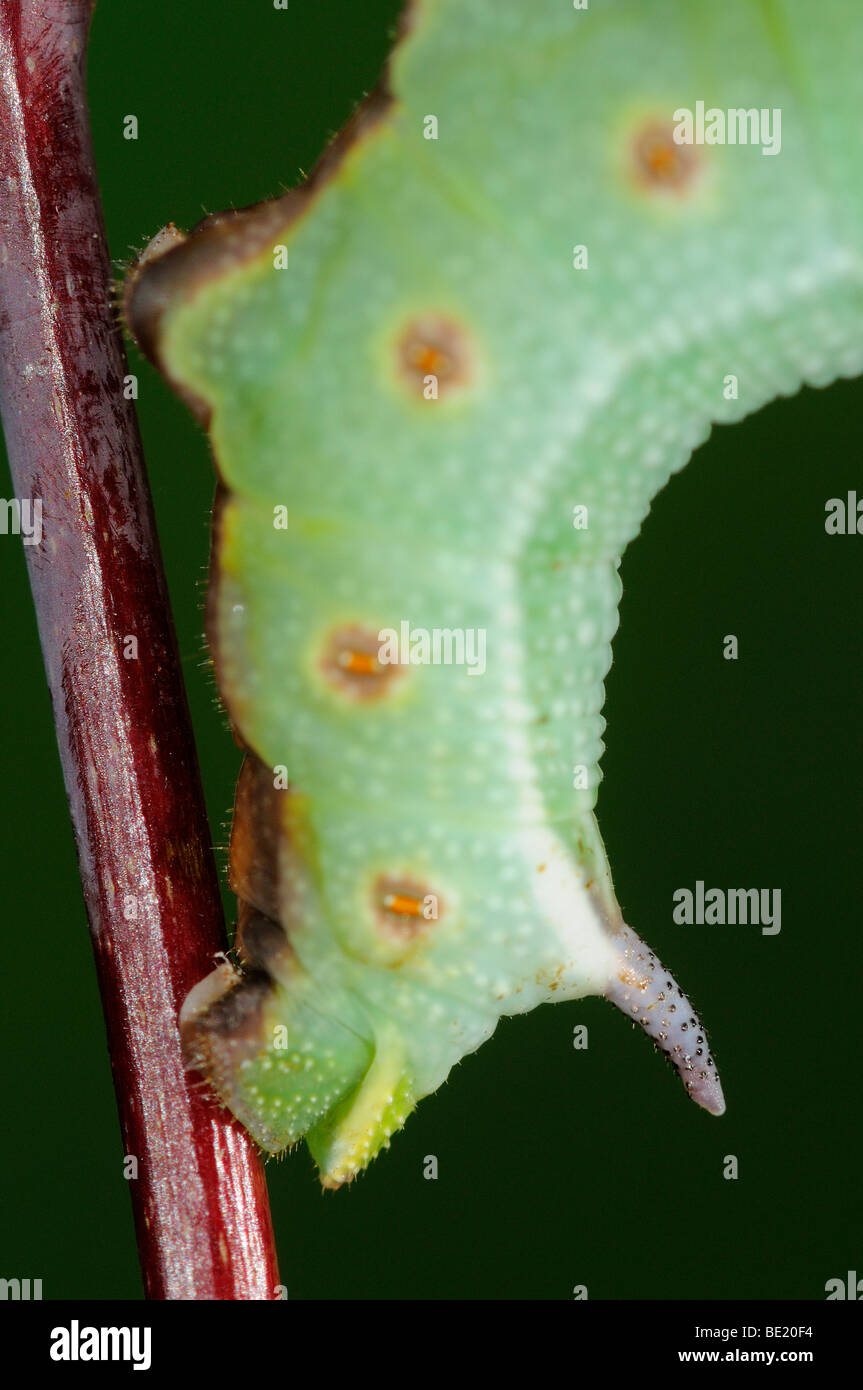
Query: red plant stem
[[123, 727]]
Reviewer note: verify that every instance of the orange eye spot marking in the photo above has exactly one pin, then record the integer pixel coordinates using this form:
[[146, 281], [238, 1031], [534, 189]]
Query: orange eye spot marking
[[350, 664], [403, 904], [433, 346], [404, 909], [659, 163], [359, 663], [425, 358]]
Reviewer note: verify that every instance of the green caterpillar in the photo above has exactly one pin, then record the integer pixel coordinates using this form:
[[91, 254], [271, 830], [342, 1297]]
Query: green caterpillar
[[443, 380]]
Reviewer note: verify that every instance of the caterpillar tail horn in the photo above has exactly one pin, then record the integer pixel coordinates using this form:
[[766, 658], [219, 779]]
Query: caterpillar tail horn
[[648, 994]]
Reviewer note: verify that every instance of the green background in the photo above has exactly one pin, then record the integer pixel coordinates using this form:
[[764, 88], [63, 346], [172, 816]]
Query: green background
[[557, 1167]]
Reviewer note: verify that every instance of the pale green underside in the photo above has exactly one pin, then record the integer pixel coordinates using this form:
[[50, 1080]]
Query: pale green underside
[[591, 387]]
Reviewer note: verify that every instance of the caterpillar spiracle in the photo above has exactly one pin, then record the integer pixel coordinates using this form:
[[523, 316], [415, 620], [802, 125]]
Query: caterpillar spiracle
[[443, 380]]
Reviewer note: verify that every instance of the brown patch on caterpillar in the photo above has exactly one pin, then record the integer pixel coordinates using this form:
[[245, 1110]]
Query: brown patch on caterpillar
[[407, 19], [272, 845], [404, 908], [221, 1024], [659, 163], [226, 1020], [222, 1019], [261, 942], [350, 664], [255, 833], [433, 345]]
